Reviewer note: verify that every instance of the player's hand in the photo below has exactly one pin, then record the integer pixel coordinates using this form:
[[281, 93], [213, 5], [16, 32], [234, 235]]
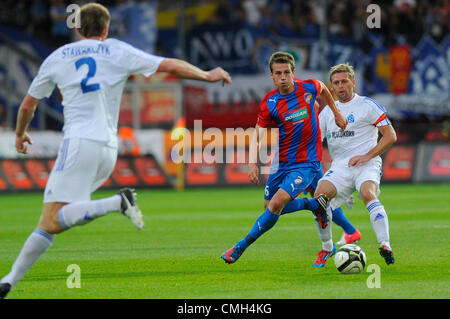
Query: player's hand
[[350, 202], [253, 173], [359, 159], [340, 120], [20, 143], [218, 74]]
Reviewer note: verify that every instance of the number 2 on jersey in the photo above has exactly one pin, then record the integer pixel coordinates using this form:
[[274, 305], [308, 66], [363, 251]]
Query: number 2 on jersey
[[90, 62]]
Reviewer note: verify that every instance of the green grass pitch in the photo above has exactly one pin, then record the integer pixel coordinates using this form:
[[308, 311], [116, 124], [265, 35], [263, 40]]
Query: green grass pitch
[[177, 254]]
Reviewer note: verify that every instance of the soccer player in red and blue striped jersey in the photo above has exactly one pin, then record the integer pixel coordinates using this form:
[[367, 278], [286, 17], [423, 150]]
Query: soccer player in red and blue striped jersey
[[290, 106]]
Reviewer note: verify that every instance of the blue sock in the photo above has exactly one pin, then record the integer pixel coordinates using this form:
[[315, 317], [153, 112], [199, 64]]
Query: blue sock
[[295, 205], [312, 203], [264, 222], [341, 220]]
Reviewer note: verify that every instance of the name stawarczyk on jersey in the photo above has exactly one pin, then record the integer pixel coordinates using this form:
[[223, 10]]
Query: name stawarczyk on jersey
[[100, 49]]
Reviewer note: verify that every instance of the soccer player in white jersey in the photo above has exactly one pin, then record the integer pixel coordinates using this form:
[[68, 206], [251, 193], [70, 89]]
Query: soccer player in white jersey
[[90, 74], [355, 153]]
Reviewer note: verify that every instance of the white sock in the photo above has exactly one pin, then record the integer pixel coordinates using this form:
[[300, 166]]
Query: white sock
[[379, 220], [325, 235], [36, 244], [80, 213]]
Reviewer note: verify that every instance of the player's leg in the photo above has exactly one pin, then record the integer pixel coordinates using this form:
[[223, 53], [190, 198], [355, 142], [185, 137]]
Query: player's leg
[[324, 193], [327, 189], [85, 168], [56, 218], [281, 186], [295, 205], [337, 185], [262, 224], [303, 203], [351, 234], [341, 220], [317, 205], [36, 244], [75, 168], [378, 218], [326, 238]]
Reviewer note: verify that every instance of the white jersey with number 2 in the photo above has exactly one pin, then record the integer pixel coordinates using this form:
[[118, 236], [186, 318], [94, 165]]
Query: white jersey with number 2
[[361, 134], [91, 75]]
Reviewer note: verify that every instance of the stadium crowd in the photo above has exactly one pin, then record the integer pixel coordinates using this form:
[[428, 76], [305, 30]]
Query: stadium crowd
[[408, 19], [402, 21]]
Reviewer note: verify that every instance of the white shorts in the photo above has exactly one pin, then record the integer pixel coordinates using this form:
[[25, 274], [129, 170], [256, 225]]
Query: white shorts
[[348, 179], [81, 167]]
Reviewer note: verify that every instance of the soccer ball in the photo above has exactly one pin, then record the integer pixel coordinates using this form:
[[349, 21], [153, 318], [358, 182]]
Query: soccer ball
[[350, 259]]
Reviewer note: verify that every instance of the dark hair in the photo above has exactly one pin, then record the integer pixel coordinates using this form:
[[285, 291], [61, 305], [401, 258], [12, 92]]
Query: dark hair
[[93, 19], [282, 57]]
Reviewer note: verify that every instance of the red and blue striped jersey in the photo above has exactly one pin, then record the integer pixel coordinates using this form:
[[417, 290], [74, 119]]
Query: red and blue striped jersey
[[297, 119]]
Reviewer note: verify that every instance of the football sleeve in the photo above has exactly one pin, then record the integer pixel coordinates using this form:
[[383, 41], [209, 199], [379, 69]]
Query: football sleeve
[[376, 113], [316, 84], [264, 118], [42, 85], [140, 62]]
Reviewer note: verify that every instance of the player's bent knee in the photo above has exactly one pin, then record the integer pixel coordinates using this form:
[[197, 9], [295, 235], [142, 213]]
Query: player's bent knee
[[50, 225], [368, 192], [49, 221], [276, 206], [368, 196], [327, 188]]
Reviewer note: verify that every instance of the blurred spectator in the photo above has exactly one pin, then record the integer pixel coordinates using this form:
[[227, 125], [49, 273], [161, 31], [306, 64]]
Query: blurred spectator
[[253, 10], [40, 20], [3, 124], [438, 17], [400, 19], [226, 11], [58, 15], [14, 13]]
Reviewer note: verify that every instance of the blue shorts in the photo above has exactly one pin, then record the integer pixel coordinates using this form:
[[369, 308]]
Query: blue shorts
[[294, 178], [313, 186]]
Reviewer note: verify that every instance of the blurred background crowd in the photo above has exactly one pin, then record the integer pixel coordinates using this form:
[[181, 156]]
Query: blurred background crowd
[[408, 55], [402, 20], [400, 50]]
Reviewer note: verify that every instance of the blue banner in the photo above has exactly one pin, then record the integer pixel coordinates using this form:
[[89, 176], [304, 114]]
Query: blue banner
[[21, 70], [242, 49], [430, 68]]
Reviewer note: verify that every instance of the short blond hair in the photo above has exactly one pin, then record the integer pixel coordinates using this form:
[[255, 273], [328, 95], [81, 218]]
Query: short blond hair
[[282, 57], [343, 67], [93, 19]]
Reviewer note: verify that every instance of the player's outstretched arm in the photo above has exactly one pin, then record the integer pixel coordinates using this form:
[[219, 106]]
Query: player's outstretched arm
[[388, 138], [255, 144], [340, 120], [24, 117], [186, 70]]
